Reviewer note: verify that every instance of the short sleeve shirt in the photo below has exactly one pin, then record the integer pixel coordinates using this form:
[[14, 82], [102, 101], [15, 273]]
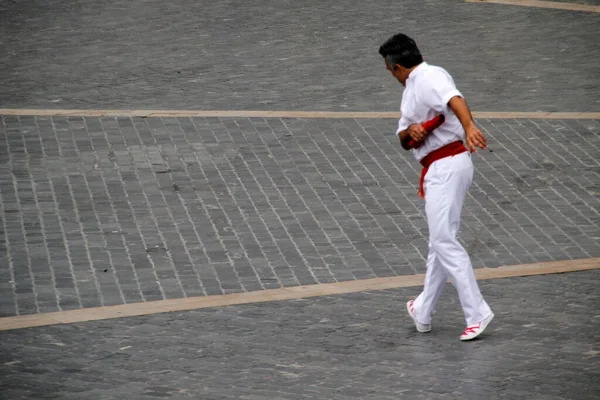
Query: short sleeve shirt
[[426, 95]]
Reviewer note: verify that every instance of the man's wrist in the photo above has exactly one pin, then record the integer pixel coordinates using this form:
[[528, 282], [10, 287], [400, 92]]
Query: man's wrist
[[467, 125]]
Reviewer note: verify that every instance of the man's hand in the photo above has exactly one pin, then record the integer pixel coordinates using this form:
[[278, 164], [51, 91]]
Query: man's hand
[[475, 138], [417, 132], [473, 135]]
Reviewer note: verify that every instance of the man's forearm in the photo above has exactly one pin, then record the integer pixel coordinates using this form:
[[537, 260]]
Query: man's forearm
[[461, 110], [473, 135], [404, 139]]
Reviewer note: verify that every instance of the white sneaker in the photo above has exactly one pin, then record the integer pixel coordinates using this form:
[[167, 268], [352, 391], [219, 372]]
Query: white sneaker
[[473, 331], [411, 311]]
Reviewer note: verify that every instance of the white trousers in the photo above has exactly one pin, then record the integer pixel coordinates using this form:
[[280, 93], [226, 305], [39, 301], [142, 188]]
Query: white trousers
[[446, 185]]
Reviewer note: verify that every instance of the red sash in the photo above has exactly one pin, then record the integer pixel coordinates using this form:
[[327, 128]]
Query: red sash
[[429, 126], [448, 150]]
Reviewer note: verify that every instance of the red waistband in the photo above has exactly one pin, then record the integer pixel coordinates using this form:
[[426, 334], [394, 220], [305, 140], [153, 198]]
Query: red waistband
[[451, 149], [448, 150]]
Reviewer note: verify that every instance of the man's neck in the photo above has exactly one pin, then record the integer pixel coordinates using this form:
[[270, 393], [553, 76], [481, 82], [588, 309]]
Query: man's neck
[[413, 68], [410, 71]]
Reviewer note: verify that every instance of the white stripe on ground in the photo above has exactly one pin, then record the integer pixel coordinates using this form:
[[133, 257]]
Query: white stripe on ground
[[543, 4], [278, 114], [297, 292]]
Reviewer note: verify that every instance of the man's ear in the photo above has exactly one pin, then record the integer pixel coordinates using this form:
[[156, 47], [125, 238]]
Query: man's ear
[[396, 67]]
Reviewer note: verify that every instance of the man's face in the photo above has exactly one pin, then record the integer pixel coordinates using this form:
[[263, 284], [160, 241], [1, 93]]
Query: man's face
[[399, 72]]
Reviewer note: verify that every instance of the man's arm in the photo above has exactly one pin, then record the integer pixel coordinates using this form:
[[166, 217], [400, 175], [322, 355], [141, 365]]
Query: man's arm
[[404, 139], [473, 135], [414, 131]]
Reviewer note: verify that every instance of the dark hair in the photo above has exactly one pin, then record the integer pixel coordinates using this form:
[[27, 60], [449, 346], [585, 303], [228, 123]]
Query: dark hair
[[400, 49]]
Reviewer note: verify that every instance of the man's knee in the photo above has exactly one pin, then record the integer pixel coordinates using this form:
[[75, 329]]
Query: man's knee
[[443, 244]]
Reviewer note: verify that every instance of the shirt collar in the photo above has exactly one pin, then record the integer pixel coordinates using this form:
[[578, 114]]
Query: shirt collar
[[417, 71]]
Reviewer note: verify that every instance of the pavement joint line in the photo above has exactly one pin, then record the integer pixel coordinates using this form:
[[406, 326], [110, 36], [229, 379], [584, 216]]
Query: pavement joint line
[[277, 114], [288, 293], [543, 4]]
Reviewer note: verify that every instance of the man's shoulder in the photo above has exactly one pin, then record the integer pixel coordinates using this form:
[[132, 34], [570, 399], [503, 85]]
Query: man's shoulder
[[434, 70], [435, 78]]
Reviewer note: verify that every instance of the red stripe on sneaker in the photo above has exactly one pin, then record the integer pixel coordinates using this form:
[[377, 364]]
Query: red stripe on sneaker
[[471, 329]]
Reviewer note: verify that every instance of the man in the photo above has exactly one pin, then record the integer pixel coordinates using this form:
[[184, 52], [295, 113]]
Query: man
[[446, 178]]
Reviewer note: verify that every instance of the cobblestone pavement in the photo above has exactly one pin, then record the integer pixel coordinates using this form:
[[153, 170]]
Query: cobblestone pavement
[[284, 54], [543, 344], [103, 211]]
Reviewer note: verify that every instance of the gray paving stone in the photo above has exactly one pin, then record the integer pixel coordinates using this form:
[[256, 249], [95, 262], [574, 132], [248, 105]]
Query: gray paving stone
[[259, 55], [353, 346], [255, 208], [106, 211]]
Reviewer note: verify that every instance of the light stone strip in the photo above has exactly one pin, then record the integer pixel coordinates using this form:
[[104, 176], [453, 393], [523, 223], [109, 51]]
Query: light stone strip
[[297, 292], [279, 114], [543, 4]]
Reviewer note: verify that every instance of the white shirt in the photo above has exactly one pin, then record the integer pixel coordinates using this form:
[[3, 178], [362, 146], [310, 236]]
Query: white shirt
[[427, 93]]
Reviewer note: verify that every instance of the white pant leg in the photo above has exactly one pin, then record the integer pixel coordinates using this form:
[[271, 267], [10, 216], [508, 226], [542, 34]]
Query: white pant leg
[[446, 185], [435, 281]]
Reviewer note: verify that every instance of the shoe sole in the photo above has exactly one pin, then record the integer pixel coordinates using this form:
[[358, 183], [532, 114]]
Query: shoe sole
[[415, 321], [481, 331]]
